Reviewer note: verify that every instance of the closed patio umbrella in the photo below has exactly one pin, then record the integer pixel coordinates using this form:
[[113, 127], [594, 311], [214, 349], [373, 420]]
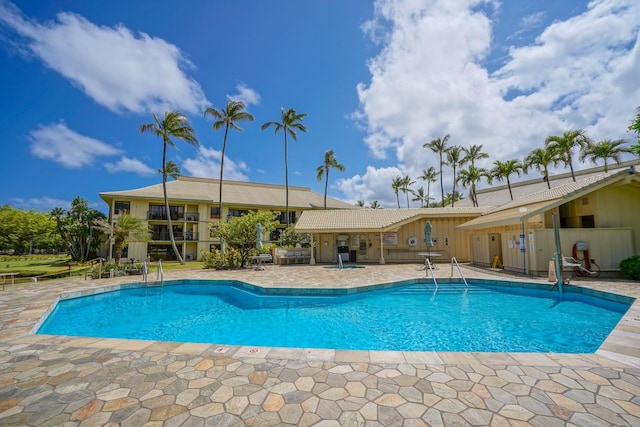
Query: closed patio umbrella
[[427, 235], [259, 230]]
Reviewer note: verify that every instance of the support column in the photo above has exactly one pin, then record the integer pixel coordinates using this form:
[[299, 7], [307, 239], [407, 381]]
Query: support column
[[381, 250], [312, 261]]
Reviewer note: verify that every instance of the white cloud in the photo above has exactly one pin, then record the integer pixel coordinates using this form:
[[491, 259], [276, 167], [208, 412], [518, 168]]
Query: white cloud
[[375, 184], [430, 79], [43, 204], [118, 69], [60, 144], [126, 164], [246, 95], [207, 165]]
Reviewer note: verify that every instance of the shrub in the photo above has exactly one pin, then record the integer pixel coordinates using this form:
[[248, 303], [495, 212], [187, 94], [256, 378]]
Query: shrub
[[630, 267], [212, 259]]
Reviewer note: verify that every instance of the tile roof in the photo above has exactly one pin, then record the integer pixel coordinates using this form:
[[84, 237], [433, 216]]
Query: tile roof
[[233, 193], [373, 219]]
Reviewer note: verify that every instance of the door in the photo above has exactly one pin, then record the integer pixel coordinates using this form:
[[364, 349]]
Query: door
[[495, 247], [326, 252]]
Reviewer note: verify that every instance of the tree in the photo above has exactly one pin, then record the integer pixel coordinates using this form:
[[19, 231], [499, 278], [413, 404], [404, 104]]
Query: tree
[[420, 196], [452, 198], [404, 186], [605, 149], [635, 127], [240, 232], [23, 232], [439, 146], [429, 175], [562, 146], [330, 162], [396, 184], [360, 203], [290, 122], [233, 113], [473, 153], [375, 205], [173, 125], [77, 229], [503, 170], [470, 177], [127, 229], [541, 159], [455, 159], [172, 170]]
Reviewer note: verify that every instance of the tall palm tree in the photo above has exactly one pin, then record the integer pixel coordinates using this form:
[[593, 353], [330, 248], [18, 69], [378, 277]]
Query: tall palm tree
[[173, 125], [429, 175], [420, 196], [330, 161], [396, 184], [290, 122], [375, 205], [605, 149], [562, 146], [232, 113], [541, 159], [503, 170], [127, 229], [171, 169], [404, 186], [470, 177], [439, 146], [360, 203], [473, 153], [455, 159]]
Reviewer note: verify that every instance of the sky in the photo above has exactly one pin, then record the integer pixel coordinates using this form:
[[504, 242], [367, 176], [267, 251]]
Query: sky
[[376, 78]]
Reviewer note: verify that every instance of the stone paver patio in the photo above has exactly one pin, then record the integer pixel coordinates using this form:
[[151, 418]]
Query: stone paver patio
[[50, 380]]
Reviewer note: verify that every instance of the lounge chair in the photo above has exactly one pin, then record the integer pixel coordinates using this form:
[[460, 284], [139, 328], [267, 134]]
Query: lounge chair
[[571, 262]]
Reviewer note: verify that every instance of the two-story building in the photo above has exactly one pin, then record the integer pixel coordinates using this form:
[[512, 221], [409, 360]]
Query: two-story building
[[194, 204]]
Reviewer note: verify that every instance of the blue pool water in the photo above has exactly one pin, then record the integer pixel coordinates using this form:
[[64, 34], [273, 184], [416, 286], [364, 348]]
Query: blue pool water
[[408, 318]]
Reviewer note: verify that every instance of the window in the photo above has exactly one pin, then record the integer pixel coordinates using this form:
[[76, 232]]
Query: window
[[588, 221], [122, 208], [292, 217], [215, 213], [237, 212]]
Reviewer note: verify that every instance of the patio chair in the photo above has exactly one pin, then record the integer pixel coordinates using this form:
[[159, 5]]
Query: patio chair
[[571, 262]]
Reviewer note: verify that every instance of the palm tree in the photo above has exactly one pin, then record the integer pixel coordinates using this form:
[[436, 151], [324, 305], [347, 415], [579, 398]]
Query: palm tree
[[172, 170], [455, 159], [330, 161], [404, 186], [127, 229], [233, 112], [562, 146], [541, 159], [375, 205], [290, 122], [173, 125], [635, 149], [429, 175], [360, 203], [396, 184], [420, 196], [502, 170], [473, 153], [439, 146], [605, 149], [470, 177]]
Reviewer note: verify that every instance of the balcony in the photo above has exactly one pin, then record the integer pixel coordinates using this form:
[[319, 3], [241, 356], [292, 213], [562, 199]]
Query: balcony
[[192, 216], [180, 236], [161, 216]]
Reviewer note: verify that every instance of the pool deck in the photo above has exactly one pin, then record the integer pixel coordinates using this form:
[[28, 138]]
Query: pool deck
[[48, 380]]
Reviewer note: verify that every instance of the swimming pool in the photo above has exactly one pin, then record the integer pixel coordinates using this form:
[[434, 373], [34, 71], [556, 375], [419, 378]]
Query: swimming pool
[[408, 318]]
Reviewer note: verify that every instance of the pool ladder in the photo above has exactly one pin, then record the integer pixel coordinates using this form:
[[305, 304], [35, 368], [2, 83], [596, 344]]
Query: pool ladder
[[455, 261], [159, 277], [429, 267]]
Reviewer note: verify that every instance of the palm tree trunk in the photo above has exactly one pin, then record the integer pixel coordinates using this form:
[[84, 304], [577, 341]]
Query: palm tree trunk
[[166, 203], [428, 192], [286, 180], [453, 199], [224, 147], [441, 183], [326, 184], [573, 175], [509, 185]]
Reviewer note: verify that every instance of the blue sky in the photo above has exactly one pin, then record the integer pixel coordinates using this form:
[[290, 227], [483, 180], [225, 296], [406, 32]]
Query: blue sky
[[377, 79]]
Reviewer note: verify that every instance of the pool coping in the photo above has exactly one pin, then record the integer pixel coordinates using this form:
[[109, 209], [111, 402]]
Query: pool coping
[[621, 346]]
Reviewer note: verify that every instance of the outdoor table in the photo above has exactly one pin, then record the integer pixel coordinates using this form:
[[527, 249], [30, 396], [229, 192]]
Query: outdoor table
[[260, 260], [428, 256], [4, 278]]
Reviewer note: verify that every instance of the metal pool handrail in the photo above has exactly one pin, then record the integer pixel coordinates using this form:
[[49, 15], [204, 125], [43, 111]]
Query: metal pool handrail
[[433, 276], [454, 260], [160, 275]]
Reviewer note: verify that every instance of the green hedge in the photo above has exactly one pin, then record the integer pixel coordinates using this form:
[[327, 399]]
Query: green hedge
[[630, 267]]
